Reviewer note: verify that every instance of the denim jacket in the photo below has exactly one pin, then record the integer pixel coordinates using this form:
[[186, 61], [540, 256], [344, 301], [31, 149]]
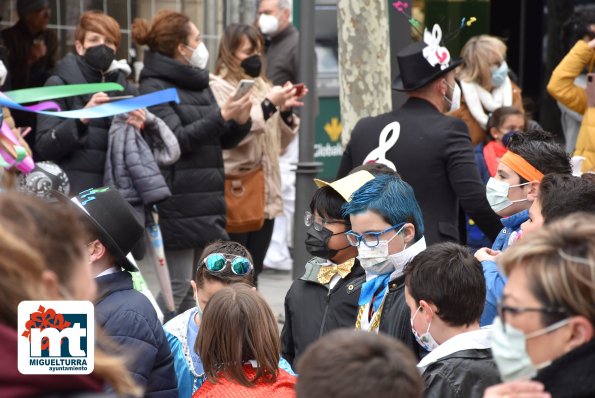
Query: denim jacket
[[511, 224]]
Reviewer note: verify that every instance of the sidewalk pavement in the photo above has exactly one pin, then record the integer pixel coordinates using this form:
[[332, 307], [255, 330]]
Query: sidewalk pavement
[[273, 285]]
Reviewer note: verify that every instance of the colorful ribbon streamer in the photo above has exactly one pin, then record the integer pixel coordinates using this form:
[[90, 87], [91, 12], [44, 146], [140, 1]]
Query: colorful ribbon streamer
[[37, 94], [23, 161], [104, 110]]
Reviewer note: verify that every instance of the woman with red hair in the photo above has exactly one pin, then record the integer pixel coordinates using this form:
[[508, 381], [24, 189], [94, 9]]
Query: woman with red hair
[[79, 146]]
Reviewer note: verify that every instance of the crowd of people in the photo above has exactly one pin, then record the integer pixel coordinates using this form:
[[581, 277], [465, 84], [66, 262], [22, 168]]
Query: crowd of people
[[452, 257]]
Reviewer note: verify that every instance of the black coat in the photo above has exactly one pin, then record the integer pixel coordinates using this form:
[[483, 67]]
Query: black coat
[[128, 317], [572, 375], [195, 213], [434, 155], [312, 310], [79, 149], [395, 318], [463, 374]]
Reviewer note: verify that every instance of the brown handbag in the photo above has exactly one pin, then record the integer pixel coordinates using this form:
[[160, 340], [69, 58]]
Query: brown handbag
[[244, 197]]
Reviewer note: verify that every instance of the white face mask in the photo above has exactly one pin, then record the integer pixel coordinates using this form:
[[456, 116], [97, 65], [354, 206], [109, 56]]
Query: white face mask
[[509, 349], [425, 340], [3, 73], [200, 56], [497, 194], [499, 74], [374, 260], [455, 100], [268, 24]]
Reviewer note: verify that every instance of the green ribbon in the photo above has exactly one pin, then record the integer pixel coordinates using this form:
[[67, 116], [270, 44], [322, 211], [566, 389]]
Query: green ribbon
[[21, 153], [37, 94]]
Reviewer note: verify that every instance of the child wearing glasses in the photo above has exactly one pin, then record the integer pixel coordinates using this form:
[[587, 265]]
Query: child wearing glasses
[[445, 292], [222, 264], [387, 229], [325, 297]]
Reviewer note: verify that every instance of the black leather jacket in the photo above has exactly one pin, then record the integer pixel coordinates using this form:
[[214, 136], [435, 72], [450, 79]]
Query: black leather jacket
[[312, 310], [463, 374]]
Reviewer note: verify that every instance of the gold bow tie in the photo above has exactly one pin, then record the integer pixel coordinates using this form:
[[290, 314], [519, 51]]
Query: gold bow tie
[[326, 272]]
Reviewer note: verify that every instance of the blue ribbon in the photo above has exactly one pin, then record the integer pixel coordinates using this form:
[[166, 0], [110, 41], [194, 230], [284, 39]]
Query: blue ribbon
[[104, 110], [370, 287]]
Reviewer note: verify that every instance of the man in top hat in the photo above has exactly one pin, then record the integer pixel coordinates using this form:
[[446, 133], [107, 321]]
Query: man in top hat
[[431, 151], [125, 314]]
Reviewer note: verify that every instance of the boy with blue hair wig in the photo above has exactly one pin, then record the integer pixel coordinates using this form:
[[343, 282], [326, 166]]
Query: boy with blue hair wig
[[387, 229]]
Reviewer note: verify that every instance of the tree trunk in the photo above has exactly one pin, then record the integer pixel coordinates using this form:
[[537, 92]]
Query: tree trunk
[[364, 61]]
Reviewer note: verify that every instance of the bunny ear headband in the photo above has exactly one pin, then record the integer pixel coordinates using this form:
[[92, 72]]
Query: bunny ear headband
[[434, 52]]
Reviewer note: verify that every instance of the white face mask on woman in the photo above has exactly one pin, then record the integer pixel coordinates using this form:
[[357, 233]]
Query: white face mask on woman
[[199, 57], [509, 349]]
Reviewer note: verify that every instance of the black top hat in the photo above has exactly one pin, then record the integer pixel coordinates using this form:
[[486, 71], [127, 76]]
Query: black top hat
[[416, 71], [113, 219]]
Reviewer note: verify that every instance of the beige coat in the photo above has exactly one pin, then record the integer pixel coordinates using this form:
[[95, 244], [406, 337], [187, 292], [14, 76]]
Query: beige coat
[[262, 145]]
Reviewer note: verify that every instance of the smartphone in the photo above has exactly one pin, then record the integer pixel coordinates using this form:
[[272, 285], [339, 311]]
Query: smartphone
[[299, 89], [244, 86], [590, 90], [121, 97]]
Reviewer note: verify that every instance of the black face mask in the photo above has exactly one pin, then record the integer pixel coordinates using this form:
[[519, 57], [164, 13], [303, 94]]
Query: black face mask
[[317, 243], [252, 65], [99, 57]]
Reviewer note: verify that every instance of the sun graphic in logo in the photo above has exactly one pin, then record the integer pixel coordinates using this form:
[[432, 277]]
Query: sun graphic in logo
[[334, 129]]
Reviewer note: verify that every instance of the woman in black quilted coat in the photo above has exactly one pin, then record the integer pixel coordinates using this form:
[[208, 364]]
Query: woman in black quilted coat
[[195, 213]]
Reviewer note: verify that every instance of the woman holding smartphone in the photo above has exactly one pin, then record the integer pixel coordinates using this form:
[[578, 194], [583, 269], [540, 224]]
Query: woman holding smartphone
[[195, 213], [273, 127]]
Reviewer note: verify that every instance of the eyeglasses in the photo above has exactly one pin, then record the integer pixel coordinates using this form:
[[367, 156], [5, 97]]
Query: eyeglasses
[[216, 262], [370, 239], [503, 309], [309, 221]]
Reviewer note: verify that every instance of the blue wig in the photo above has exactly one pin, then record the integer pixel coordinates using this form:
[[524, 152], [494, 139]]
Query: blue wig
[[391, 198]]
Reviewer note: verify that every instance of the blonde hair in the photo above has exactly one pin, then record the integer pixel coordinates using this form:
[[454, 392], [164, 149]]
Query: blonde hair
[[34, 237], [478, 54], [560, 264]]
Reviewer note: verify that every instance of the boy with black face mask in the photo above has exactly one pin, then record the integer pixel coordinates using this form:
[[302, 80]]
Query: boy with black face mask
[[326, 296]]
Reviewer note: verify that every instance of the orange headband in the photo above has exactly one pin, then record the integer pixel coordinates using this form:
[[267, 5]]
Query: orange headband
[[521, 167]]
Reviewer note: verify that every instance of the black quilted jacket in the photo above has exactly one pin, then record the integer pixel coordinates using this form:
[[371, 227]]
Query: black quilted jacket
[[79, 149], [195, 213]]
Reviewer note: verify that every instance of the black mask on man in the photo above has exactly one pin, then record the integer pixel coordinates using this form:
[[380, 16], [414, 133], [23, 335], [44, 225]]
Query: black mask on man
[[99, 57], [252, 65]]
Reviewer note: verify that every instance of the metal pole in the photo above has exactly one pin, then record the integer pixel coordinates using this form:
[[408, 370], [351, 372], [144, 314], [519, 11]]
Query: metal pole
[[306, 167]]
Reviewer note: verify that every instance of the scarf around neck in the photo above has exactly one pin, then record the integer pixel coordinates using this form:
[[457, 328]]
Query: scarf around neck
[[479, 100]]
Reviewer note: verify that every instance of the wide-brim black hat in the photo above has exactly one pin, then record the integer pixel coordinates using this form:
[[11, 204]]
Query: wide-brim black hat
[[113, 219], [415, 71]]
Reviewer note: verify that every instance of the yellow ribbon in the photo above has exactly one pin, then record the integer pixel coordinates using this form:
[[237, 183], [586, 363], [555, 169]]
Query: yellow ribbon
[[326, 272]]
